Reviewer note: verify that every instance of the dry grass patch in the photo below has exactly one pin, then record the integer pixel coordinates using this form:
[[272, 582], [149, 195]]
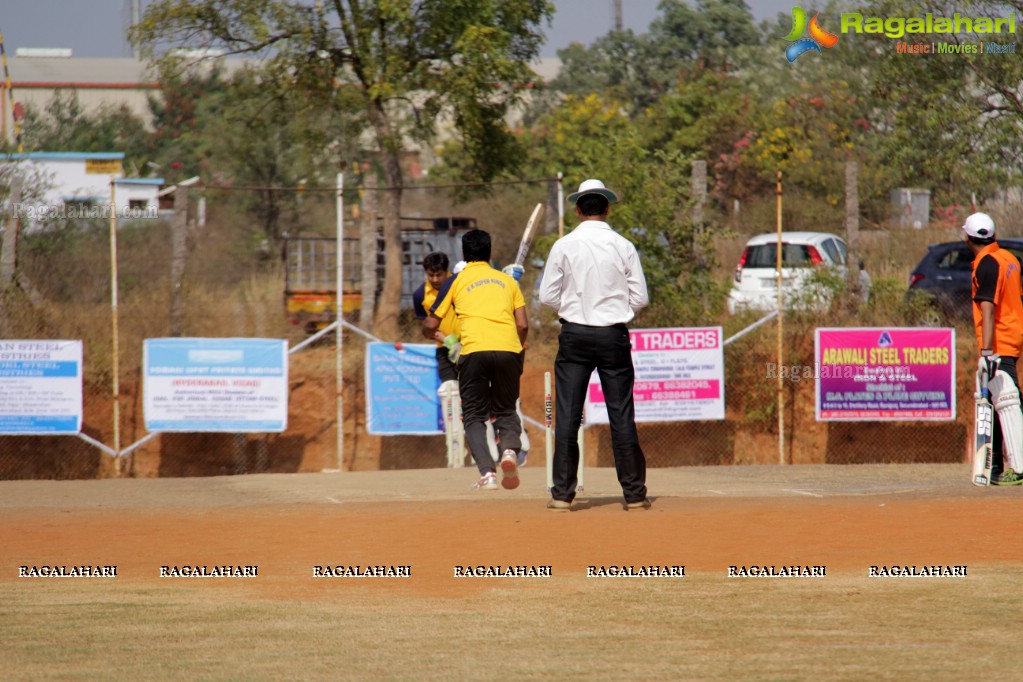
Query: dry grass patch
[[701, 627]]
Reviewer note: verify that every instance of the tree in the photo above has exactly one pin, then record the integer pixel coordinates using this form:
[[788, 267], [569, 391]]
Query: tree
[[591, 137], [948, 122], [410, 63], [705, 35], [953, 122], [256, 134], [180, 142], [65, 126], [712, 117], [639, 69]]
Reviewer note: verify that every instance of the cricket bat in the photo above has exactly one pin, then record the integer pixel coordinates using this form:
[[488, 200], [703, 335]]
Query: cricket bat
[[527, 235], [982, 430]]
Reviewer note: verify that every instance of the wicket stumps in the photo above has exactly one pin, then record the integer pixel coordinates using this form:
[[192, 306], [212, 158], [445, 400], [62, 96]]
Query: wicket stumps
[[548, 419]]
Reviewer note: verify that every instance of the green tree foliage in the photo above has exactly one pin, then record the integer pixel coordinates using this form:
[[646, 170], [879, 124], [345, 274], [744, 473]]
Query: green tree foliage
[[951, 123], [65, 126], [591, 137], [704, 35], [407, 61], [639, 69], [185, 118], [267, 139]]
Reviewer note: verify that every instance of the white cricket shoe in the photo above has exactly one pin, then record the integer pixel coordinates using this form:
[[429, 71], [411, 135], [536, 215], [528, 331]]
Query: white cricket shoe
[[488, 481], [509, 470]]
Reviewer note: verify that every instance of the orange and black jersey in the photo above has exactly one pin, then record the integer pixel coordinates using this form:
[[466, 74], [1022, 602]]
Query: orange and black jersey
[[996, 279]]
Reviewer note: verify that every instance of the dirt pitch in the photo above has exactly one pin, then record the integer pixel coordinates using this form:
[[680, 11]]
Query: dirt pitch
[[286, 623]]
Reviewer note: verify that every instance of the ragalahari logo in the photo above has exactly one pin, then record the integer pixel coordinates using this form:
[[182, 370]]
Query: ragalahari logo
[[818, 36]]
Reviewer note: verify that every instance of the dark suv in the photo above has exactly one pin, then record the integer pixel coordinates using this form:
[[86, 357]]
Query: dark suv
[[945, 273]]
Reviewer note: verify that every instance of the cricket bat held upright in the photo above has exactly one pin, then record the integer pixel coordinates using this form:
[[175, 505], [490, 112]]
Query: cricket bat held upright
[[527, 235], [982, 432]]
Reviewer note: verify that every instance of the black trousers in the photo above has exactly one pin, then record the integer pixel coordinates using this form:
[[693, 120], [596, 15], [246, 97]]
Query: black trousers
[[488, 382], [581, 349], [1007, 365]]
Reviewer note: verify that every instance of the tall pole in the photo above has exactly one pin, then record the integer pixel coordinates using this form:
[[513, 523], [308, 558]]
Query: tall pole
[[10, 97], [179, 249], [852, 226], [136, 17], [115, 331], [561, 205], [9, 243], [781, 385], [340, 315]]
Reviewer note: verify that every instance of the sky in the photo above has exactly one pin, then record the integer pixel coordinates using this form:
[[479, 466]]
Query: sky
[[95, 28]]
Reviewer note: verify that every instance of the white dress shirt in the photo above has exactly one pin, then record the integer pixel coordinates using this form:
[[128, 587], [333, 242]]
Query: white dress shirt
[[593, 277]]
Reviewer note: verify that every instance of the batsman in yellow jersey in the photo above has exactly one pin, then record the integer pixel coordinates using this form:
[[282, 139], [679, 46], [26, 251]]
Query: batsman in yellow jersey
[[436, 265]]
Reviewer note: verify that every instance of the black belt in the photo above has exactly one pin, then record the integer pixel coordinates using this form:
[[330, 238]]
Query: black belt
[[620, 325]]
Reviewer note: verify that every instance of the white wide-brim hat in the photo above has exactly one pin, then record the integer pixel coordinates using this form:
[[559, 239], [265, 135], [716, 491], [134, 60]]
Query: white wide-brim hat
[[592, 186]]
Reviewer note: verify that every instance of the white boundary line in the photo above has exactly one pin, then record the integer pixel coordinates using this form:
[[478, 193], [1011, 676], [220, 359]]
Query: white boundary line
[[801, 492]]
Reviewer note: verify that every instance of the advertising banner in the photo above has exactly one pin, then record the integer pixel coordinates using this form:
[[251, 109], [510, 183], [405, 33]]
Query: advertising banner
[[215, 385], [401, 390], [881, 374], [40, 387], [679, 376]]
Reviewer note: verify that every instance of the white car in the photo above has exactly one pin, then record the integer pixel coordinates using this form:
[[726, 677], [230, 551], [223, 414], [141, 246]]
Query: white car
[[755, 285]]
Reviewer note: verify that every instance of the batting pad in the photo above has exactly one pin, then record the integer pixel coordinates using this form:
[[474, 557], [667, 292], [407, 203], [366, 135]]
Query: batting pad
[[492, 441], [451, 409], [525, 434], [448, 389], [1005, 397], [492, 436]]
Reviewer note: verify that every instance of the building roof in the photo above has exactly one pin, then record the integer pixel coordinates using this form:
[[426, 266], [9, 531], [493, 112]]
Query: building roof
[[111, 72], [67, 156], [35, 71]]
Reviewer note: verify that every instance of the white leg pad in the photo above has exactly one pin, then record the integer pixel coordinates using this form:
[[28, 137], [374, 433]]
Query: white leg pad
[[492, 440], [450, 402], [524, 438], [1005, 397]]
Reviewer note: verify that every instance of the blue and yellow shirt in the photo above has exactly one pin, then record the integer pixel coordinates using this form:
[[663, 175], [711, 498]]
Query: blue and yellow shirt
[[423, 299]]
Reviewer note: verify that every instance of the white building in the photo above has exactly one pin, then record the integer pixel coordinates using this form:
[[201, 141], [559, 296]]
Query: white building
[[78, 185]]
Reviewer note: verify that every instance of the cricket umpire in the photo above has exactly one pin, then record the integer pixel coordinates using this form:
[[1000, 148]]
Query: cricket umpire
[[594, 282], [492, 317]]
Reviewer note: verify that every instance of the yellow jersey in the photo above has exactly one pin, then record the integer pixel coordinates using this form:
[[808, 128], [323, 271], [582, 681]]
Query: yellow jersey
[[484, 301]]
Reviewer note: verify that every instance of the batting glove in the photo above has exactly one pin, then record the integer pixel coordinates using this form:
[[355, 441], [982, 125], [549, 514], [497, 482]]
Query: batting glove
[[516, 271], [454, 347], [988, 364]]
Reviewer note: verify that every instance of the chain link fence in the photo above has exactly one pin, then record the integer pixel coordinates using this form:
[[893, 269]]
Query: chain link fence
[[232, 286]]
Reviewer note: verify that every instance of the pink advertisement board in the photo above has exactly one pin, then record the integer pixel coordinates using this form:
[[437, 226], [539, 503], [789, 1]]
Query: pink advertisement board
[[679, 376], [885, 374]]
